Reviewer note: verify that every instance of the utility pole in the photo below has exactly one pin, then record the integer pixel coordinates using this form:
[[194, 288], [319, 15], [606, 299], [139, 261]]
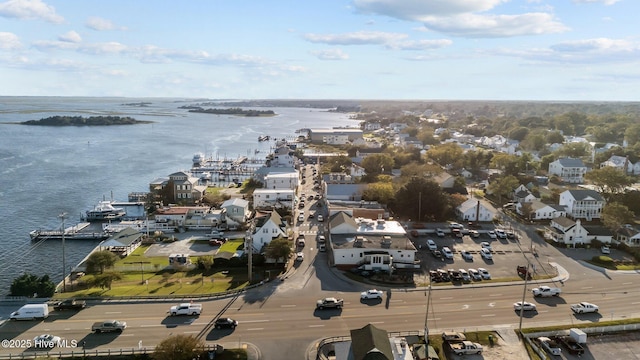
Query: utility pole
[[426, 316], [64, 258], [420, 206], [249, 245], [524, 293]]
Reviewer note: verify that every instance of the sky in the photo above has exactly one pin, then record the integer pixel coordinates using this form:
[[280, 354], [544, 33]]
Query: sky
[[563, 50]]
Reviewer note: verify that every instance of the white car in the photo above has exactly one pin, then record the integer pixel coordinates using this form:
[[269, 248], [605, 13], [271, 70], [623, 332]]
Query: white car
[[484, 273], [605, 249], [46, 341], [466, 255], [584, 307], [455, 225], [526, 306], [492, 234], [501, 234], [320, 218], [446, 252], [432, 245], [486, 254], [299, 256], [440, 232], [475, 275], [486, 245], [371, 294]]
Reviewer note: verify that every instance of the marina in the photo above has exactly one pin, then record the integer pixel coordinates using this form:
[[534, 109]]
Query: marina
[[76, 232]]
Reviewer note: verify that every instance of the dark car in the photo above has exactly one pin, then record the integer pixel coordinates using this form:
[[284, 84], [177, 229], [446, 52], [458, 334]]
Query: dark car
[[435, 276], [444, 275], [437, 254], [226, 323]]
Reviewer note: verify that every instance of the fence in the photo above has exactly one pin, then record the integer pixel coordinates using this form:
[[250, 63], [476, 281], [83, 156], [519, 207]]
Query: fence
[[90, 354]]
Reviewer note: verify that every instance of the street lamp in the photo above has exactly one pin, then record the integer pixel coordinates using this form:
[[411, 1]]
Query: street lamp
[[64, 258]]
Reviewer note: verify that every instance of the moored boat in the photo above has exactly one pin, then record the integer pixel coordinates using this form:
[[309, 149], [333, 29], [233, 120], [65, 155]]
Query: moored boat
[[105, 211]]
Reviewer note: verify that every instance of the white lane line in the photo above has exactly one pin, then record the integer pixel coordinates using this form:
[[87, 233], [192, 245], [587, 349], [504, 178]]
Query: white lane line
[[446, 298], [287, 306], [586, 287], [255, 329], [253, 321], [635, 303], [487, 315], [191, 332], [495, 295], [113, 312], [376, 322], [627, 283], [315, 326]]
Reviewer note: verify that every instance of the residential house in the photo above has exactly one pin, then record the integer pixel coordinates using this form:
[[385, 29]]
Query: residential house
[[522, 194], [582, 203], [445, 180], [268, 226], [191, 217], [569, 170], [475, 210], [185, 188], [347, 192], [621, 163], [283, 157], [397, 127], [319, 136], [356, 171], [628, 235], [542, 211], [371, 343], [372, 126], [270, 198], [372, 245], [287, 180], [237, 210], [363, 153], [571, 233]]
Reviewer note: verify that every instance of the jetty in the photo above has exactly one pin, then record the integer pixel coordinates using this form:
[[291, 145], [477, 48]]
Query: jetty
[[75, 232]]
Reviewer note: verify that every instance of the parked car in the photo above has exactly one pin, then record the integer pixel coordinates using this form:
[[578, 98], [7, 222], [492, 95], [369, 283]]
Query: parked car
[[435, 276], [431, 245], [501, 234], [299, 256], [605, 250], [550, 346], [486, 254], [475, 275], [437, 254], [486, 245], [455, 225], [465, 275], [228, 323], [455, 275], [440, 232], [474, 233], [453, 336], [444, 275], [525, 306], [466, 255], [484, 273], [492, 234], [447, 253], [371, 294]]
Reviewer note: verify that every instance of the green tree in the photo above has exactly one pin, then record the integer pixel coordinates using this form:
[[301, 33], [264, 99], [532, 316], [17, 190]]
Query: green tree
[[423, 200], [178, 347], [509, 164], [614, 215], [278, 249], [381, 192], [519, 133], [377, 164], [340, 164], [446, 154], [574, 150], [206, 262], [99, 261], [106, 279], [29, 284], [632, 134], [503, 186], [526, 210], [554, 137], [609, 180]]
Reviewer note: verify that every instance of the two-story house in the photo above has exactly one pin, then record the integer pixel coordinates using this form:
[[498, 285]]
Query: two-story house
[[273, 198], [569, 232], [582, 204], [282, 180], [569, 170], [185, 188], [237, 211], [268, 226], [542, 211]]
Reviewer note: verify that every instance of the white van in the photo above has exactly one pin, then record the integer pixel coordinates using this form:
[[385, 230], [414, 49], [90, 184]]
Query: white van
[[301, 217], [31, 312]]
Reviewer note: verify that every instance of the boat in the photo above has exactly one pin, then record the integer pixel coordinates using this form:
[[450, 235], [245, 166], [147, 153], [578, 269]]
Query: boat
[[198, 159], [105, 211]]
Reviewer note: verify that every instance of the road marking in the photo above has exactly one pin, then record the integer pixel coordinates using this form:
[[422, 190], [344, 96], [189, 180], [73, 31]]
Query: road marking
[[627, 283], [315, 326], [492, 304], [156, 325], [255, 329], [191, 332], [635, 303], [587, 287], [376, 322], [287, 306], [113, 312], [465, 306], [446, 298], [253, 321], [487, 315], [495, 295]]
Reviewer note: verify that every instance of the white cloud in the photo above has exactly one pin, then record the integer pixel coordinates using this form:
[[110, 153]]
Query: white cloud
[[100, 24], [465, 18], [111, 47], [476, 26], [419, 44], [355, 38], [606, 2], [45, 45], [417, 9], [330, 54], [596, 45], [70, 36], [30, 10], [9, 41]]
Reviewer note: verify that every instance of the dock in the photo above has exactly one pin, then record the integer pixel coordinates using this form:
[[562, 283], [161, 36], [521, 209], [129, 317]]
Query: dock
[[71, 233]]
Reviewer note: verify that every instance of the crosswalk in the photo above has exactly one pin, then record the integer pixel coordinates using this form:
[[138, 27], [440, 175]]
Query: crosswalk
[[308, 232]]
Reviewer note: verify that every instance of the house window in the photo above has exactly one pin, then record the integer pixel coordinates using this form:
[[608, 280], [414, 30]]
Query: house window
[[265, 231]]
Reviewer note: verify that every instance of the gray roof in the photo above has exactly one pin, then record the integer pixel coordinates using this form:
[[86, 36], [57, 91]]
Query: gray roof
[[123, 238], [571, 162], [370, 343], [345, 189], [564, 221], [580, 195]]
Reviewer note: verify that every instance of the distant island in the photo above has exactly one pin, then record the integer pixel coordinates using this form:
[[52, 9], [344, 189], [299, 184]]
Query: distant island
[[229, 111], [85, 121], [140, 104]]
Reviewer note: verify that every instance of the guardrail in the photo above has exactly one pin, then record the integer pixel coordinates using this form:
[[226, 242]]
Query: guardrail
[[90, 353]]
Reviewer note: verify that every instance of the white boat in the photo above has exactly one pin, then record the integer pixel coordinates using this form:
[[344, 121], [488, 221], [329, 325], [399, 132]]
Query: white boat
[[198, 159], [105, 211]]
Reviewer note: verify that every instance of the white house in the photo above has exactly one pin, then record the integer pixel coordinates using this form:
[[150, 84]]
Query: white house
[[268, 198], [582, 204], [521, 195], [475, 210], [237, 210], [542, 211], [285, 180], [628, 235], [569, 170], [267, 227], [621, 163], [370, 244], [283, 157], [566, 231], [356, 171]]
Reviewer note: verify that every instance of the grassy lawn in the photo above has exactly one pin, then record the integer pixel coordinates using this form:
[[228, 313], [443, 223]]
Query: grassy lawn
[[155, 279]]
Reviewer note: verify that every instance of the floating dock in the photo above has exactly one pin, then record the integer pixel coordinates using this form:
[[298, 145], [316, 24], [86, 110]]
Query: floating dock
[[71, 233]]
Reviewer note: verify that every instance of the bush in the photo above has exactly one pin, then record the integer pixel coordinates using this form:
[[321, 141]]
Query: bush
[[605, 261]]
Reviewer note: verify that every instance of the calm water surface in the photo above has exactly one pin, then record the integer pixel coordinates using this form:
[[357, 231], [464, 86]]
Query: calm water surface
[[46, 171]]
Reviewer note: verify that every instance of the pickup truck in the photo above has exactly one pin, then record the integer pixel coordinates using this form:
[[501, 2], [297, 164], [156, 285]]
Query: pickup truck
[[70, 304], [466, 347], [329, 303], [550, 345], [584, 307], [453, 336], [109, 326], [186, 309], [545, 291], [573, 346]]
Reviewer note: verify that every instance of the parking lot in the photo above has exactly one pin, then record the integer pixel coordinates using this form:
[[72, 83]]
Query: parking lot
[[506, 254]]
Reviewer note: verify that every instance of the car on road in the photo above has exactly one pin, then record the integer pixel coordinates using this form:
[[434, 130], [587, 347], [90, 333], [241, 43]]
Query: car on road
[[486, 254], [475, 275], [474, 233], [525, 306], [446, 252], [605, 250], [225, 323], [299, 256], [584, 307], [431, 245], [311, 215], [484, 273], [46, 341], [320, 218], [486, 245], [455, 225], [466, 255], [329, 303], [371, 294], [440, 232], [492, 234]]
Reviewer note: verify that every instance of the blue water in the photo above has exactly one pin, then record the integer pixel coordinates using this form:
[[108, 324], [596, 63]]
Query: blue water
[[46, 171]]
